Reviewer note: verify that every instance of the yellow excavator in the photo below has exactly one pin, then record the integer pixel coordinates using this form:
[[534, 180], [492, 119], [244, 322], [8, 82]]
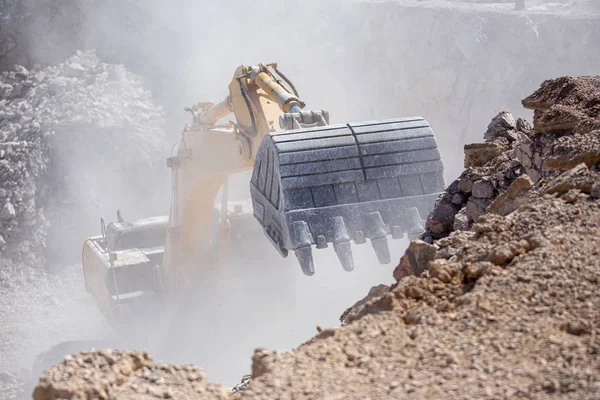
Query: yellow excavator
[[312, 184]]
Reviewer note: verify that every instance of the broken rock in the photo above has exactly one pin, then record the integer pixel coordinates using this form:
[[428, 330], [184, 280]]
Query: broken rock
[[375, 293], [8, 212], [501, 124], [476, 207], [513, 198], [479, 154], [483, 189], [461, 221], [576, 178], [557, 118], [442, 217], [415, 260], [570, 151]]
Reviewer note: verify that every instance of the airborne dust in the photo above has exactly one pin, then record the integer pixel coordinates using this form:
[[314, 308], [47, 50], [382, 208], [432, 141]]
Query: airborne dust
[[360, 60]]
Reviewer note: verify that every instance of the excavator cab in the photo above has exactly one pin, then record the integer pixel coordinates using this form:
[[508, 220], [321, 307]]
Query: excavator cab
[[122, 266]]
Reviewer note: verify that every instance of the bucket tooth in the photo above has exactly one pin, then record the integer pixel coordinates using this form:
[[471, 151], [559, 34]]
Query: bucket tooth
[[397, 232], [301, 236], [359, 237], [321, 242], [344, 253], [340, 233], [413, 221], [376, 226], [302, 240], [341, 243], [382, 250], [305, 258]]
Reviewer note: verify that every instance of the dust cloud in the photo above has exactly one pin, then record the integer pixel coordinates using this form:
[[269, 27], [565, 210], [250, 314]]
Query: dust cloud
[[187, 52], [359, 60]]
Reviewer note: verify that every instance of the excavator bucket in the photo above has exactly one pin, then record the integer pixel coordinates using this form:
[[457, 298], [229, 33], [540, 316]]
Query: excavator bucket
[[341, 183]]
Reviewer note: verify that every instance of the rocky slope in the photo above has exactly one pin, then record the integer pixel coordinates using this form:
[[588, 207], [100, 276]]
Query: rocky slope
[[70, 135], [501, 298]]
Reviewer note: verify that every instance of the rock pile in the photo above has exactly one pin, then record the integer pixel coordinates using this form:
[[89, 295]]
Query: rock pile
[[57, 125], [490, 171], [566, 134], [107, 374]]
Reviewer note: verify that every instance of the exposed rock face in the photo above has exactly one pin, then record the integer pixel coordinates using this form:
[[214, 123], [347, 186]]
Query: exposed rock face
[[58, 125]]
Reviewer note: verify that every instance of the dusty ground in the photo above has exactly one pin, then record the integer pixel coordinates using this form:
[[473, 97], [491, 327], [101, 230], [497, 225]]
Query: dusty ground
[[506, 308]]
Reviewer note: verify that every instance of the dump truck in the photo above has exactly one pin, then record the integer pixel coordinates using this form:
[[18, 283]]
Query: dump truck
[[313, 184]]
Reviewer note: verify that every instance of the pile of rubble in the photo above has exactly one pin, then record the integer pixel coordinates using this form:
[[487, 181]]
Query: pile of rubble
[[108, 374], [56, 125], [566, 134], [40, 31]]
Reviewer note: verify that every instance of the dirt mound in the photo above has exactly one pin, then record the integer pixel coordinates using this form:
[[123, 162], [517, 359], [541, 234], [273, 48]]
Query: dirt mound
[[509, 310], [107, 374], [499, 300]]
